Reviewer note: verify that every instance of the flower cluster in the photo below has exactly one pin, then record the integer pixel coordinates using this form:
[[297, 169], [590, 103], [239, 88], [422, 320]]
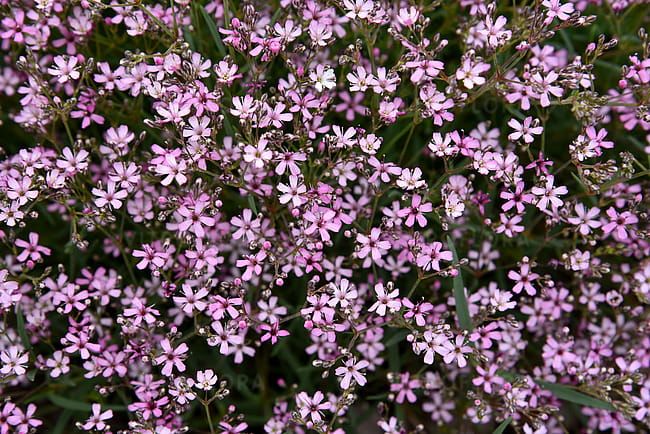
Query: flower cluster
[[328, 216]]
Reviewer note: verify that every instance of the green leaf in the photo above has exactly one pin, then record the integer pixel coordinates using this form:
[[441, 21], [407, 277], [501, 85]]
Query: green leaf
[[22, 332], [189, 38], [71, 404], [394, 364], [228, 126], [502, 426], [62, 422], [462, 309], [32, 374], [214, 32], [252, 205], [397, 338], [571, 394], [567, 42]]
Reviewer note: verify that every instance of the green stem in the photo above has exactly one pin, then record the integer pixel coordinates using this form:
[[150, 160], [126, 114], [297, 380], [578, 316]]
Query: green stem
[[207, 415], [406, 143]]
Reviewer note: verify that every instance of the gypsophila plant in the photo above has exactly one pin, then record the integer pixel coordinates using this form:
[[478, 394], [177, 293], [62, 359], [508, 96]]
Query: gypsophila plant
[[324, 216]]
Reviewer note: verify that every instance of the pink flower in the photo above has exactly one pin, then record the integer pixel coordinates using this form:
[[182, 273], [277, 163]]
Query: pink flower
[[518, 199], [433, 343], [509, 225], [191, 301], [523, 278], [150, 257], [618, 223], [110, 196], [487, 378], [223, 337], [141, 312], [359, 80], [524, 130], [557, 9], [31, 249], [585, 220], [194, 218], [351, 371], [171, 357], [227, 428], [294, 192], [273, 332], [372, 246], [24, 422], [418, 311], [14, 361], [405, 387], [274, 116], [544, 87], [65, 68], [456, 351], [312, 406], [253, 264], [172, 169], [431, 255], [385, 300], [549, 194], [470, 72], [258, 155], [198, 129], [246, 225], [415, 212], [96, 421]]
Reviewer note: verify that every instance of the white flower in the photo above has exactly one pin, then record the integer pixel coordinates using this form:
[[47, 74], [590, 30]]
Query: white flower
[[205, 380], [323, 78]]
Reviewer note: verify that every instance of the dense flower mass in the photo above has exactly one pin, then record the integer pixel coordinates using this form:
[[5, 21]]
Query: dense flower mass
[[324, 216]]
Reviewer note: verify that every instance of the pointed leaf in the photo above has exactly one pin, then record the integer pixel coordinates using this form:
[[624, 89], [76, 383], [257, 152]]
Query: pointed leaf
[[252, 205], [214, 32], [72, 404], [462, 309], [22, 332], [502, 426], [62, 422], [571, 394]]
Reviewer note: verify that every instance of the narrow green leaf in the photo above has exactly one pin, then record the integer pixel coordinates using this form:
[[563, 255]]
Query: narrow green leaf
[[62, 422], [22, 332], [462, 309], [397, 338], [189, 38], [75, 405], [276, 15], [252, 205], [395, 365], [69, 404], [228, 126], [508, 376], [396, 137], [571, 394], [32, 374], [567, 42], [214, 32], [608, 65], [502, 426]]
